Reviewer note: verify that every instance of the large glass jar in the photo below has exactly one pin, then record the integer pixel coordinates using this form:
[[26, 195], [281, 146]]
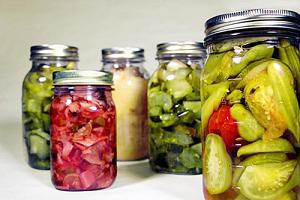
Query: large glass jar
[[250, 109], [36, 98], [174, 108], [83, 131], [130, 96]]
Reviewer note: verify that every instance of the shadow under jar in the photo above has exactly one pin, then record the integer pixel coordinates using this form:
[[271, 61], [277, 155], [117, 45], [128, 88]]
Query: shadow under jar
[[174, 108], [36, 98], [250, 106], [130, 96], [83, 131]]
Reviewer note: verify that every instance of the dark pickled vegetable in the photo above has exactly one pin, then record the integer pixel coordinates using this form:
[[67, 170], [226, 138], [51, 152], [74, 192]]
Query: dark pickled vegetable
[[250, 92], [174, 118], [36, 100]]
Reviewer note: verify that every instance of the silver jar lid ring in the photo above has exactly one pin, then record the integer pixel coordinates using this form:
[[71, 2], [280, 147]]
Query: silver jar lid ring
[[253, 19], [54, 51], [181, 48], [122, 53], [82, 77]]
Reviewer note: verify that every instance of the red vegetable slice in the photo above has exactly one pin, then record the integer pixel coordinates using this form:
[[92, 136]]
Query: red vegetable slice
[[87, 179], [72, 182], [223, 124]]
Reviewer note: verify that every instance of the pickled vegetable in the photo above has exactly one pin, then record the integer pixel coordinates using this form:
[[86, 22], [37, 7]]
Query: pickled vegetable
[[217, 165], [268, 181], [174, 118], [36, 99], [250, 98], [132, 137], [83, 140]]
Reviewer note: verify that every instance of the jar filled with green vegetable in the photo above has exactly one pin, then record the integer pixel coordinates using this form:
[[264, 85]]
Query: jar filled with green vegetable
[[36, 98], [130, 96], [250, 106], [174, 108]]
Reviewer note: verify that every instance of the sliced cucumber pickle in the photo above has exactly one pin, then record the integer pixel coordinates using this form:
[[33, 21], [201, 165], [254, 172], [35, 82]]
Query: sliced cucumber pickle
[[261, 146], [269, 181], [217, 166]]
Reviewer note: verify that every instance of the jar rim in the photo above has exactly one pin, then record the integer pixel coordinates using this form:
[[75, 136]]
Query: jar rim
[[253, 19], [180, 48], [82, 77], [115, 54], [54, 52]]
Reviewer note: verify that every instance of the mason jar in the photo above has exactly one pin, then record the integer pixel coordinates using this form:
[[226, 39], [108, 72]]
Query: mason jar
[[250, 108], [174, 108], [83, 131], [130, 96], [36, 98]]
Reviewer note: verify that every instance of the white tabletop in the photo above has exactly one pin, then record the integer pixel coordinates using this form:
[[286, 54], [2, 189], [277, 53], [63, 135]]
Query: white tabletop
[[135, 180]]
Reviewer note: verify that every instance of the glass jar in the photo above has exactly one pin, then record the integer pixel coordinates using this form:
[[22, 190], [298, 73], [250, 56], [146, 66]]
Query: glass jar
[[83, 131], [174, 108], [130, 96], [250, 109], [36, 98]]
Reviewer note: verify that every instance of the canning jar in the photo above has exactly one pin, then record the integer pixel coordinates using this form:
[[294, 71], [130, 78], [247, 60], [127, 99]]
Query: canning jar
[[174, 108], [250, 108], [130, 96], [36, 98], [83, 131]]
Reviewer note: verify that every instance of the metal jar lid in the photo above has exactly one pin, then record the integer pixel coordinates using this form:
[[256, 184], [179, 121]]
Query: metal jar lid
[[123, 53], [182, 48], [54, 51], [253, 19], [80, 77]]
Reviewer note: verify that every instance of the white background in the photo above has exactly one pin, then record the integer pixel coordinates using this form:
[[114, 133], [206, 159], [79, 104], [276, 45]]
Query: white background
[[92, 25]]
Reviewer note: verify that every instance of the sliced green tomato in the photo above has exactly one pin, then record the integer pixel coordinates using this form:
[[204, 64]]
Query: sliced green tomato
[[288, 196], [175, 64], [190, 158], [248, 127], [261, 146], [167, 75], [39, 146], [257, 68], [161, 99], [179, 88], [257, 159], [194, 106], [241, 197], [155, 111], [217, 165], [194, 78], [269, 181], [168, 119]]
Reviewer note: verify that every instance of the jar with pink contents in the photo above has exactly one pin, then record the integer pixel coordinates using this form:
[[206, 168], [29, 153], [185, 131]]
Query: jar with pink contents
[[83, 131]]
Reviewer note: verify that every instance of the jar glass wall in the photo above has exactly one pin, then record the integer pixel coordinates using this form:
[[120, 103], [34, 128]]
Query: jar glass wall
[[83, 131], [130, 96], [174, 109], [36, 98], [250, 108]]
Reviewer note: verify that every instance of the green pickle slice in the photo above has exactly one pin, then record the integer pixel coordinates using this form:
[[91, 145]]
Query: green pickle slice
[[217, 165], [261, 146], [248, 127], [269, 181]]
